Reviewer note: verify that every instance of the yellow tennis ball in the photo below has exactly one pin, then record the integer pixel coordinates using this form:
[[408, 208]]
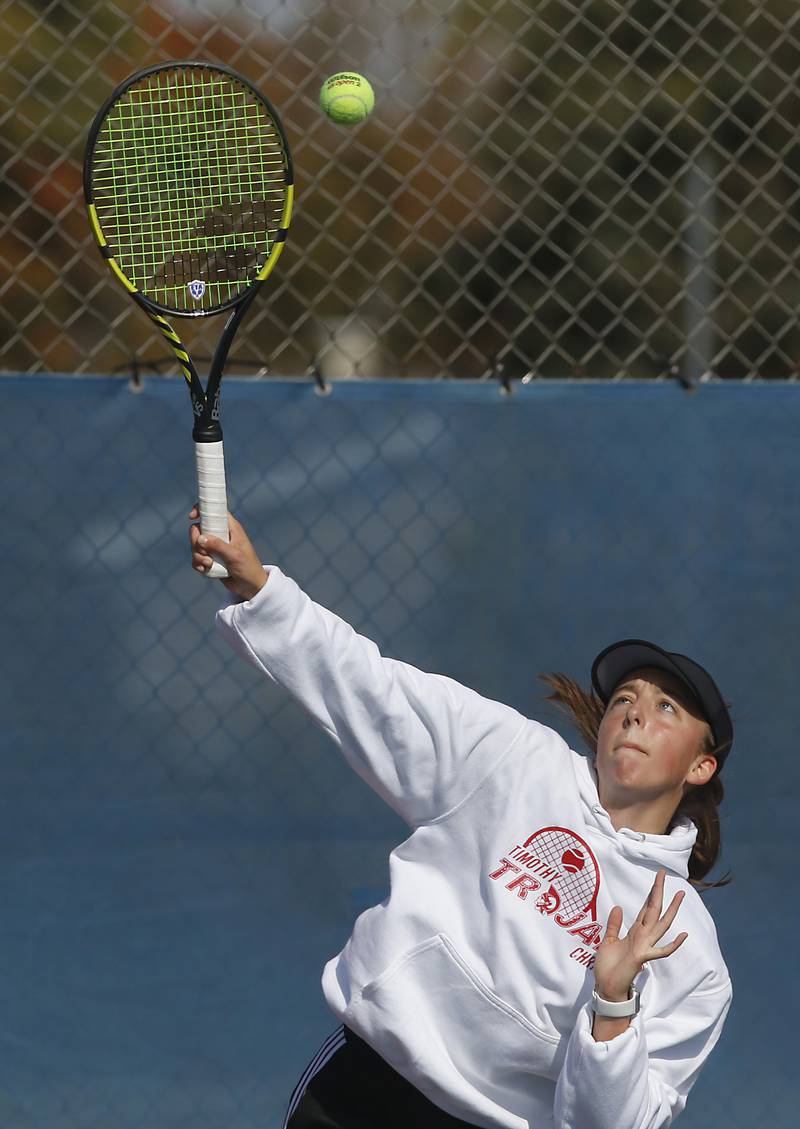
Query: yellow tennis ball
[[346, 97]]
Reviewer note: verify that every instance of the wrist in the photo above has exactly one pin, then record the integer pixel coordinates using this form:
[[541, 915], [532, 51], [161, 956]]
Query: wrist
[[614, 994], [251, 584], [256, 583]]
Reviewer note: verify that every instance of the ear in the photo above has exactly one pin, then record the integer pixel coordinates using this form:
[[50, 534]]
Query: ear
[[702, 770]]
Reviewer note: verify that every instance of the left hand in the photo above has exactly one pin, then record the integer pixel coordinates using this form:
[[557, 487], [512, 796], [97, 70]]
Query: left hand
[[620, 960]]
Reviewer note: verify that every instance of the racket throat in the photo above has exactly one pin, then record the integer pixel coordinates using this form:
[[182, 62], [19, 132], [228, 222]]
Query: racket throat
[[207, 432], [207, 427]]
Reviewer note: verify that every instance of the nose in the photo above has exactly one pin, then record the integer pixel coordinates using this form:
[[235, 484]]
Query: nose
[[633, 715]]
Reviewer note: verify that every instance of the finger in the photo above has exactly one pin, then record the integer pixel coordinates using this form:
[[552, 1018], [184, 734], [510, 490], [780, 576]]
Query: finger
[[194, 512], [660, 927], [200, 554], [199, 550], [646, 907], [667, 950], [672, 909], [656, 929], [614, 924], [201, 562], [657, 890], [655, 899], [215, 546]]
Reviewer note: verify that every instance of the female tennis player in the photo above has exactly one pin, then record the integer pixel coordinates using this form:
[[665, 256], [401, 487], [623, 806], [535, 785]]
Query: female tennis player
[[523, 971]]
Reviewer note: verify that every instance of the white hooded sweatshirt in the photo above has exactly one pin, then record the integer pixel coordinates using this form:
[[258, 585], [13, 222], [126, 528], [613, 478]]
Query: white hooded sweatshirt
[[473, 978]]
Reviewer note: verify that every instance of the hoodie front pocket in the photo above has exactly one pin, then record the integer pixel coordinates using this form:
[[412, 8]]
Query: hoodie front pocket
[[435, 1021]]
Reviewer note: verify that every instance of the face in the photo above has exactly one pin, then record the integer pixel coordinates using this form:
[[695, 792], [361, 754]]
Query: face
[[651, 739]]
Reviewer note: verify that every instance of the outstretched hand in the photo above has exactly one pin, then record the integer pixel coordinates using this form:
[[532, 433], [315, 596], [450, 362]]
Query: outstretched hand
[[620, 959], [246, 575]]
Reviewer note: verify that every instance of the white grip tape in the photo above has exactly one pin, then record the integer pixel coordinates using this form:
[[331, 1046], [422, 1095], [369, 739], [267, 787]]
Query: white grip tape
[[213, 498]]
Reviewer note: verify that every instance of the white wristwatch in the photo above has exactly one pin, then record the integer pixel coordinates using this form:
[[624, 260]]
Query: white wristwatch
[[622, 1010]]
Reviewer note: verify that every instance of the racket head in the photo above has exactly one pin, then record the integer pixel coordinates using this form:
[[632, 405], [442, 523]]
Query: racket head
[[189, 185]]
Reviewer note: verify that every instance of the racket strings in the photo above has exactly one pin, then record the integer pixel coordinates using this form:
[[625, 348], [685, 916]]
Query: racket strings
[[577, 888], [189, 183]]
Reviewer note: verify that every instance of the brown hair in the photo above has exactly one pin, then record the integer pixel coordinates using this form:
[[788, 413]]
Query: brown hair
[[700, 803]]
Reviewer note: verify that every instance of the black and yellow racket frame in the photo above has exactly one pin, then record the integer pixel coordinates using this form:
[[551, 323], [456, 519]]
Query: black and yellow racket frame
[[205, 403]]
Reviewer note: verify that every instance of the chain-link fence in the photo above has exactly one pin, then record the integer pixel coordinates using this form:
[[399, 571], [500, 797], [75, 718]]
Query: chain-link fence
[[565, 187], [182, 850], [587, 188]]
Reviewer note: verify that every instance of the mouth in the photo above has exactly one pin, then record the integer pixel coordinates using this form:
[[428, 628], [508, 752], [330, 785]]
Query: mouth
[[629, 745]]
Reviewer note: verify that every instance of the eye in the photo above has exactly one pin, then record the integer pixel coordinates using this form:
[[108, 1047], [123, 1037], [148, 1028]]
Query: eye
[[668, 704], [621, 698]]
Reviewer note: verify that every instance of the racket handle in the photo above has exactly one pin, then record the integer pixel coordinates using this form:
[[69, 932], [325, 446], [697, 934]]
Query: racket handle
[[213, 497]]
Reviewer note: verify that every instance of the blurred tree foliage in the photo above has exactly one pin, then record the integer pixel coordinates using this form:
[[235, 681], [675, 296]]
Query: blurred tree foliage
[[590, 188]]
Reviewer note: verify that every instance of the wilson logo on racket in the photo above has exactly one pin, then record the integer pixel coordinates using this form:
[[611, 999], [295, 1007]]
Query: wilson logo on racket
[[196, 288]]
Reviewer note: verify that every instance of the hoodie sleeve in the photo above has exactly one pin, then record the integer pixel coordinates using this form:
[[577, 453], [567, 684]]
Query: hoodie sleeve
[[641, 1079], [422, 741]]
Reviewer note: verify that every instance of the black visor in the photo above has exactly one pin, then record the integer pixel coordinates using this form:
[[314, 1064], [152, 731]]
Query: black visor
[[612, 664]]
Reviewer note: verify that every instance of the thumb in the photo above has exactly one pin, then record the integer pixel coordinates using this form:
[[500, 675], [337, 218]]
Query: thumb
[[235, 528]]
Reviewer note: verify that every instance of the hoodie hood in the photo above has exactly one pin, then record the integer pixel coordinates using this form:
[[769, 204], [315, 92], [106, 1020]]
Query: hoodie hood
[[671, 851]]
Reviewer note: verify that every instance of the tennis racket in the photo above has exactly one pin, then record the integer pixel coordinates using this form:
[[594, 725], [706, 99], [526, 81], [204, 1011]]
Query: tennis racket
[[189, 187]]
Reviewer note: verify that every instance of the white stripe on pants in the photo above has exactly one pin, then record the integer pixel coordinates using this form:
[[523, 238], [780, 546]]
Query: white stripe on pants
[[332, 1044]]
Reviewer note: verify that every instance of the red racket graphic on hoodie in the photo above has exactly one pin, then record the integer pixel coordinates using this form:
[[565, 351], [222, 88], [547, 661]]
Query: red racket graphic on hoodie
[[573, 892]]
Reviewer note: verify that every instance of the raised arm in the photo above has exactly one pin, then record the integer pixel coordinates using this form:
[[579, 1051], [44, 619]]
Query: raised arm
[[422, 741]]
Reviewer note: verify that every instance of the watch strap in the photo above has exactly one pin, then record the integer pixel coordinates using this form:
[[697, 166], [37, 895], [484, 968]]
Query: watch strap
[[622, 1010]]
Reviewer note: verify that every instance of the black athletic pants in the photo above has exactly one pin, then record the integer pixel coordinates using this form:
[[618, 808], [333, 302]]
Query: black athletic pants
[[348, 1086]]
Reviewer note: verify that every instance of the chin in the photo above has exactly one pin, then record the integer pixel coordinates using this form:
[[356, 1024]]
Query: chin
[[627, 778]]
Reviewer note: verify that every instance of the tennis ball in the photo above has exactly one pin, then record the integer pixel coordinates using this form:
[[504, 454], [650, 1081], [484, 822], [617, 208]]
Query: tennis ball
[[346, 97]]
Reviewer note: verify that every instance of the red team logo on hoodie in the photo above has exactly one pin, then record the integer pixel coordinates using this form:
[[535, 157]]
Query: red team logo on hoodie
[[556, 872]]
